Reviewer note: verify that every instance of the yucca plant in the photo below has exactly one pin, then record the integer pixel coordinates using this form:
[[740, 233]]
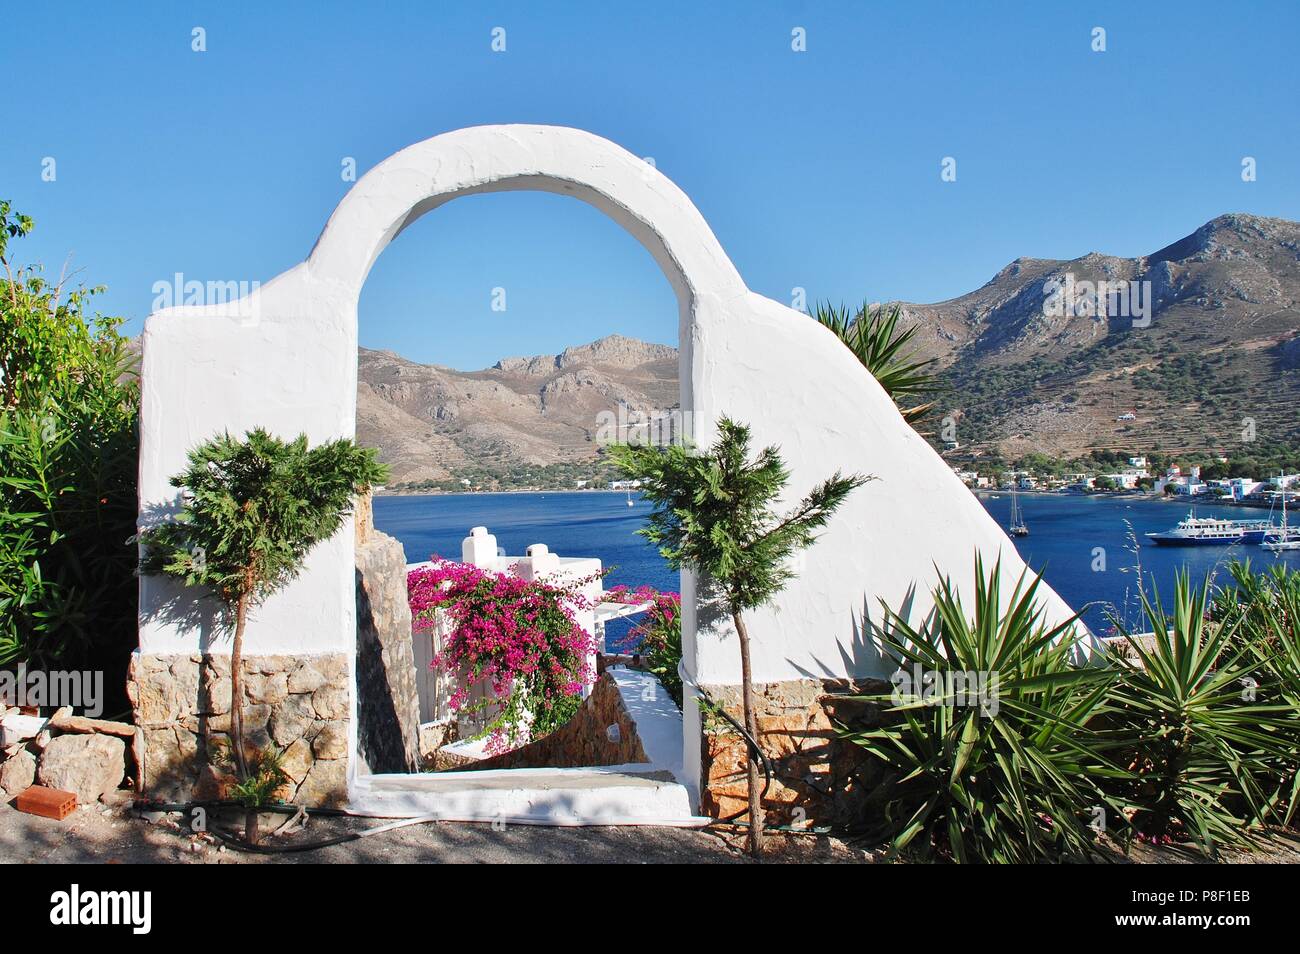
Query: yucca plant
[[1011, 774], [1266, 610], [1204, 742], [1268, 597], [872, 334]]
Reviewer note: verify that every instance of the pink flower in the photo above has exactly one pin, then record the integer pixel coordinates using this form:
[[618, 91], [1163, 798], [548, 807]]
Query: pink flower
[[522, 638]]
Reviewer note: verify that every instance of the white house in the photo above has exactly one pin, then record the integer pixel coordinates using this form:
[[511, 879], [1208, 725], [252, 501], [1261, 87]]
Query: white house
[[1243, 487], [1125, 480], [1182, 484]]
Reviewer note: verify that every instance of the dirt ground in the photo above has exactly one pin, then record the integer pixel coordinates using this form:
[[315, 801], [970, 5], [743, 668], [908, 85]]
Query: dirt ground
[[112, 833]]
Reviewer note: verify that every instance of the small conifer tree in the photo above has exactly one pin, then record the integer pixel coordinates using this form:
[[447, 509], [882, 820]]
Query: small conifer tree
[[252, 510], [714, 514]]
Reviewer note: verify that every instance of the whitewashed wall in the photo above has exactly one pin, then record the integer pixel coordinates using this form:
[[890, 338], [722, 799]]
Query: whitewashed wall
[[286, 359]]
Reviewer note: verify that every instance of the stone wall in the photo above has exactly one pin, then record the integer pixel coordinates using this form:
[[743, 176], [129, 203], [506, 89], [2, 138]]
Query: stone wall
[[388, 704], [298, 704], [584, 740], [87, 757], [817, 779]]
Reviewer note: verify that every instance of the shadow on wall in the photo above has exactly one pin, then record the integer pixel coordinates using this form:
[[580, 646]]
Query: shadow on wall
[[864, 656], [381, 733], [187, 608]]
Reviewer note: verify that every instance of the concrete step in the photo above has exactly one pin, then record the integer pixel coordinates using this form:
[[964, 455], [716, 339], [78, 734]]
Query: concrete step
[[614, 795]]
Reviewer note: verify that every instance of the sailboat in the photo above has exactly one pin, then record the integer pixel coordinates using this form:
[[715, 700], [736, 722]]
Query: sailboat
[[1017, 527], [630, 502], [1284, 538]]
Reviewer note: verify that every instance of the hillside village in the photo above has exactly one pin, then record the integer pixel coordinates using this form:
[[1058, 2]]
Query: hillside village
[[1140, 475]]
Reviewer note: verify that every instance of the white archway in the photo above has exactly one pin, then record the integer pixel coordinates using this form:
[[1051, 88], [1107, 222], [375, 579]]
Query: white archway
[[285, 358]]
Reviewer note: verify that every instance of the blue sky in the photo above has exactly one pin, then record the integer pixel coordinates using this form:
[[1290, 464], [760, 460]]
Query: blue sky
[[818, 169]]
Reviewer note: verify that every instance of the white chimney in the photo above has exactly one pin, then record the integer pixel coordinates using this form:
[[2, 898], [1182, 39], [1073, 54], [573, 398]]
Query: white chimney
[[479, 548]]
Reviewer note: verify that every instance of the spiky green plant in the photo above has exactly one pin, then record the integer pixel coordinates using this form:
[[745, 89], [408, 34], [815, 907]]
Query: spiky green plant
[[872, 334], [1203, 739], [1006, 774], [253, 510], [1264, 610], [265, 777], [715, 514]]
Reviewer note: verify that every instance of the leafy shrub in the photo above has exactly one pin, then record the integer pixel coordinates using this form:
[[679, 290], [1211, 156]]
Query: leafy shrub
[[1010, 773], [658, 635], [69, 405], [518, 636]]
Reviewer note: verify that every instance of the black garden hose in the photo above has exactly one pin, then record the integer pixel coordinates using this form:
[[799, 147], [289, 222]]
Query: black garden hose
[[240, 844]]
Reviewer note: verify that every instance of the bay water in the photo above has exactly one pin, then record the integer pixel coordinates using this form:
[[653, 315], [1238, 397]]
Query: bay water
[[1083, 545]]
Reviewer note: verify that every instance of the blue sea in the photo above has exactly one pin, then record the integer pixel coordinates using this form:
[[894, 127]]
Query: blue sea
[[581, 524], [1065, 532]]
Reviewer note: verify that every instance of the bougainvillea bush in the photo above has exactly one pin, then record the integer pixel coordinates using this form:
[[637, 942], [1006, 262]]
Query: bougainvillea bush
[[519, 637], [657, 638]]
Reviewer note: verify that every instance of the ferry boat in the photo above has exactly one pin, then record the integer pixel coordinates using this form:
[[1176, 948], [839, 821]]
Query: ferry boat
[[1194, 531]]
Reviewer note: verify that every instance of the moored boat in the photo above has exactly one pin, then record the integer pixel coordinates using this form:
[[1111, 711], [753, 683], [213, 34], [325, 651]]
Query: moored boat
[[1193, 531], [1283, 538], [1017, 527]]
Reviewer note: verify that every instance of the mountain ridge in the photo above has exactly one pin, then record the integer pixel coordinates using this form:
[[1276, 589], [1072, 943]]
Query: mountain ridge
[[1216, 351], [434, 424], [1218, 360]]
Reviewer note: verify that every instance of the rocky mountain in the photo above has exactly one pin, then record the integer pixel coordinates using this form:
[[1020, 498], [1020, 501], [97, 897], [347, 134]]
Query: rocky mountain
[[1194, 347], [1198, 341], [433, 423]]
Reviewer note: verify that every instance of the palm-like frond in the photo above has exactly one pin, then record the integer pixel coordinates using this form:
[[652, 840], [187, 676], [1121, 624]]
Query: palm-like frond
[[872, 334]]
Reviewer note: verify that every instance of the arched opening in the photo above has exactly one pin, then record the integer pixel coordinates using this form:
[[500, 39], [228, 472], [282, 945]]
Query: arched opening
[[655, 213], [502, 343]]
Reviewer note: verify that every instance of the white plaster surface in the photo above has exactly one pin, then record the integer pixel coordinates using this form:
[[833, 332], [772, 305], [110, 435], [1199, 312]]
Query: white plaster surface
[[286, 359], [614, 795], [658, 720]]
